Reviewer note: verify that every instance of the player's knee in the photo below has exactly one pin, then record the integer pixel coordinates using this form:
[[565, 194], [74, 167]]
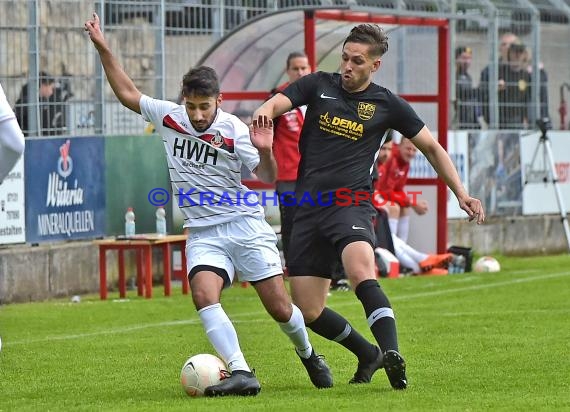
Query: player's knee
[[360, 274], [203, 297], [280, 310], [360, 270]]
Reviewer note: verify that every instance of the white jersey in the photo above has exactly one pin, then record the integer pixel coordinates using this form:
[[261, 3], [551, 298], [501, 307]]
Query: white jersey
[[5, 109], [205, 167]]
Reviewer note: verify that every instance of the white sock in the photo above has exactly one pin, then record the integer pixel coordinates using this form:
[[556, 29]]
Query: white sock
[[393, 223], [403, 228], [223, 337], [407, 261], [407, 249], [297, 332], [11, 146]]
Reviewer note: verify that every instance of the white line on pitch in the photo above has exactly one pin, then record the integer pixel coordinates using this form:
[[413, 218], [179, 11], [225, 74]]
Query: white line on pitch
[[248, 315], [117, 331], [487, 313], [477, 287]]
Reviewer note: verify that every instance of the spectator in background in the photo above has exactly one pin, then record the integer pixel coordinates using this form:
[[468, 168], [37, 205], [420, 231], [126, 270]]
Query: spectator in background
[[286, 147], [506, 40], [11, 137], [381, 224], [514, 89], [52, 120], [392, 177], [467, 109], [543, 87], [418, 262]]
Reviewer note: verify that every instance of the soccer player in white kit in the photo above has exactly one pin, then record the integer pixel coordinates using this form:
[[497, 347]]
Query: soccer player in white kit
[[11, 137], [205, 148]]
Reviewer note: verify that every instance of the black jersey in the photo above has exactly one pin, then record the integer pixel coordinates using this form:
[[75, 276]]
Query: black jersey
[[342, 131]]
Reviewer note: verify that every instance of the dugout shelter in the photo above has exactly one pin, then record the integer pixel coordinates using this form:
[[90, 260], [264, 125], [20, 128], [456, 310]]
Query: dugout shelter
[[265, 42]]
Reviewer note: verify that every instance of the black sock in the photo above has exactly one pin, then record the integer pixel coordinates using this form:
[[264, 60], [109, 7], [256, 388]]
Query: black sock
[[332, 326], [379, 313]]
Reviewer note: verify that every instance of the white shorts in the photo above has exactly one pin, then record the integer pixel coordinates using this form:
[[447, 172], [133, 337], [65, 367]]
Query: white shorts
[[246, 244]]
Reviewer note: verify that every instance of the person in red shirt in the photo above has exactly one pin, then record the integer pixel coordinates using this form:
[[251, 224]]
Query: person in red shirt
[[393, 167], [287, 129], [392, 177]]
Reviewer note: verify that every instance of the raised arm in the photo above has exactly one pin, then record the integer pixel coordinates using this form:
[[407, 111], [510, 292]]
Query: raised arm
[[444, 167], [120, 82], [274, 107], [261, 135]]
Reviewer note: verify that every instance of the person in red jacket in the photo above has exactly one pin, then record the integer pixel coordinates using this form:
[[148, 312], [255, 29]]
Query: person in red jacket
[[392, 177], [287, 129]]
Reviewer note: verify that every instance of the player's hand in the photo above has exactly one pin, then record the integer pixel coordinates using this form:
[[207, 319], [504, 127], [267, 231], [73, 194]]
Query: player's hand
[[93, 27], [261, 133], [474, 209], [421, 207]]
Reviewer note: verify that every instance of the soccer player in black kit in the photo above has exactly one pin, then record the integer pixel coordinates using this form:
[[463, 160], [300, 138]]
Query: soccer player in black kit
[[346, 119]]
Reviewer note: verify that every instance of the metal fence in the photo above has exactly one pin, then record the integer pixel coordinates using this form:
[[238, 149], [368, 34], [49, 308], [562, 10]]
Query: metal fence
[[53, 78], [499, 47]]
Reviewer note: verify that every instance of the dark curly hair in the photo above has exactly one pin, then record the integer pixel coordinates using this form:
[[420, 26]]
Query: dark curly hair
[[370, 34], [201, 81]]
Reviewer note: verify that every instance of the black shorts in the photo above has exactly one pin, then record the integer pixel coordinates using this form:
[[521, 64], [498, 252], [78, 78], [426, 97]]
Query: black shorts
[[321, 233]]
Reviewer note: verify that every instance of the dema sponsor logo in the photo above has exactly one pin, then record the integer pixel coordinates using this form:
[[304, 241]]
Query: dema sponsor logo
[[340, 126]]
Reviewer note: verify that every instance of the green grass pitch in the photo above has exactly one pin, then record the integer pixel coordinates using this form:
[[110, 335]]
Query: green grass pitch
[[472, 342]]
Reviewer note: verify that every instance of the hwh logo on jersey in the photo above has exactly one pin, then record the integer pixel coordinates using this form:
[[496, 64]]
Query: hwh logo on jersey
[[190, 150]]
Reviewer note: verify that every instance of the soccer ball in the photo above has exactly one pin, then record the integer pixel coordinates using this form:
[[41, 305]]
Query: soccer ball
[[201, 371], [487, 264]]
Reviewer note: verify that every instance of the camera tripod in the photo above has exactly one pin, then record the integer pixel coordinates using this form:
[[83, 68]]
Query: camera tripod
[[543, 175]]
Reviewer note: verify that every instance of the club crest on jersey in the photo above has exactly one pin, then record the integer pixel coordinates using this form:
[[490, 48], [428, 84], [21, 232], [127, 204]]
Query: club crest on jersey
[[366, 110], [217, 140], [326, 118]]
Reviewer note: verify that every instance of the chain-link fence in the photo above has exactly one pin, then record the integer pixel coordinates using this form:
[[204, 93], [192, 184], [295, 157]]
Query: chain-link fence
[[53, 78], [498, 48]]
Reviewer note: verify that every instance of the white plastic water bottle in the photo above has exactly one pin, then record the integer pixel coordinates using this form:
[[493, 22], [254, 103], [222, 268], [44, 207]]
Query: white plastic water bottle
[[161, 221], [130, 222], [451, 268], [461, 262]]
